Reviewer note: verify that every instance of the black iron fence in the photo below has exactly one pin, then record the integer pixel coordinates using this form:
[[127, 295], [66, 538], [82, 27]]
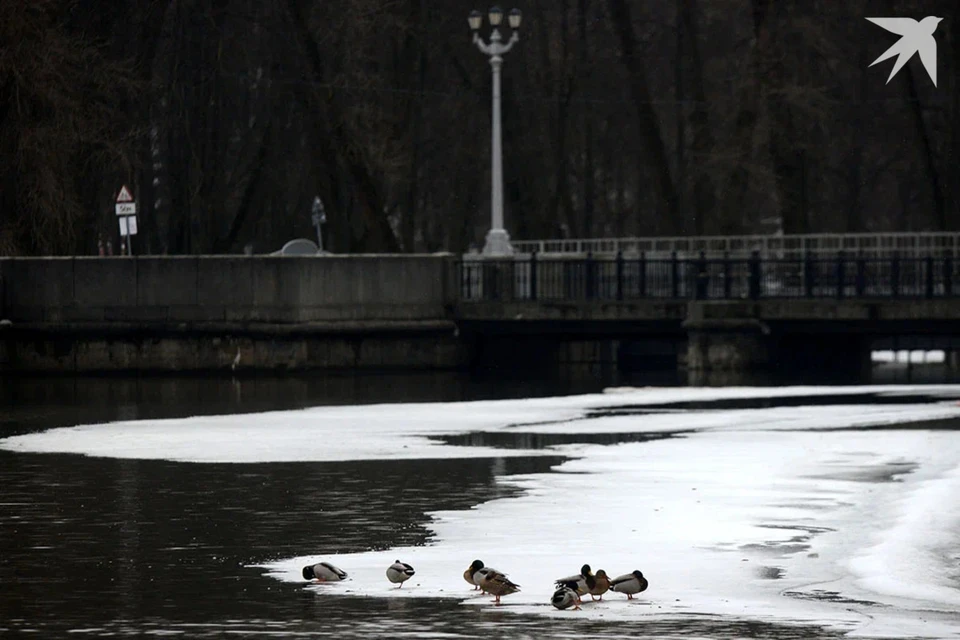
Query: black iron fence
[[701, 278]]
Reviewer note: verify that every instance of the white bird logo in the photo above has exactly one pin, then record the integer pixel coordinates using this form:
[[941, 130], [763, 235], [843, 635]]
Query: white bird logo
[[916, 37]]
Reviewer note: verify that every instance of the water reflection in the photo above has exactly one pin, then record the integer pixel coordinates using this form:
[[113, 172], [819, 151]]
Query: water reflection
[[769, 402], [516, 440], [31, 403], [86, 541]]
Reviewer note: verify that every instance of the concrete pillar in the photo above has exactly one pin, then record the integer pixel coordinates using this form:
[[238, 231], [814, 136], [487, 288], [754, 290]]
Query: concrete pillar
[[726, 343], [952, 360], [740, 351]]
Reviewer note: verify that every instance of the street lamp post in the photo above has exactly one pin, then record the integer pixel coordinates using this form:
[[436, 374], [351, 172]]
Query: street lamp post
[[498, 240]]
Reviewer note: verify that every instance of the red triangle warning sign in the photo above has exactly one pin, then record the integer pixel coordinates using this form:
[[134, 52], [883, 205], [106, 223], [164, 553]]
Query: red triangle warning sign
[[124, 195]]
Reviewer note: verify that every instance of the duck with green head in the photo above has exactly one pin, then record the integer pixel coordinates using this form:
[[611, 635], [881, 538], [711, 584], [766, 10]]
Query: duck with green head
[[580, 583], [564, 598], [629, 583], [399, 572], [323, 572]]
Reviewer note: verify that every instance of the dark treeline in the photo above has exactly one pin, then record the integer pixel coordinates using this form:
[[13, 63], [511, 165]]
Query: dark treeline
[[621, 117]]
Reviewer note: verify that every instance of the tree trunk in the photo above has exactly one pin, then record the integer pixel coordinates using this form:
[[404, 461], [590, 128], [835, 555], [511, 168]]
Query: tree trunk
[[375, 234], [588, 197], [704, 197], [854, 219], [650, 135], [927, 159], [738, 180]]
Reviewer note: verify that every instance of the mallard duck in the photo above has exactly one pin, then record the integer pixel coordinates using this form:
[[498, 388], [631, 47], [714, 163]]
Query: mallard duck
[[323, 572], [599, 584], [629, 583], [497, 584], [475, 571], [399, 572], [564, 598], [580, 584]]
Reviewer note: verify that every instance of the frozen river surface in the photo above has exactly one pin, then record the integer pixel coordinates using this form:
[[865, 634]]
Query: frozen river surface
[[761, 512]]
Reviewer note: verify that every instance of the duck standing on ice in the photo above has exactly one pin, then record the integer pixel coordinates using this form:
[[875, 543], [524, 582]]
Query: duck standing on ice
[[323, 572], [399, 572], [629, 583]]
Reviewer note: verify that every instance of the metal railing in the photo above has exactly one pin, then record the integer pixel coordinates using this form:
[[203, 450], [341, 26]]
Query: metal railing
[[781, 246], [556, 278]]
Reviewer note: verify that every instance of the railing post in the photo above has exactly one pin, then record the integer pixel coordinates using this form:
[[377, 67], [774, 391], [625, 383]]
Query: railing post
[[619, 274], [947, 275], [702, 277], [588, 283], [674, 275], [533, 274], [484, 280], [841, 274], [726, 275], [754, 277], [928, 263], [808, 275], [642, 275], [861, 276], [895, 274]]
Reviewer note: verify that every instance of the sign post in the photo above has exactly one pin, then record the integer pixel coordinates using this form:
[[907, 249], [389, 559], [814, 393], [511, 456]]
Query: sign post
[[127, 215], [319, 218]]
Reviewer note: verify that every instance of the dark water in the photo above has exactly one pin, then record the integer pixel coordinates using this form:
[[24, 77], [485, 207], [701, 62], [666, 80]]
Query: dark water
[[106, 547]]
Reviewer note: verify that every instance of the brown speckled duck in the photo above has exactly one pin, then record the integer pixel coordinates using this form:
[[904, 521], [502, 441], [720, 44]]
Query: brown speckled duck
[[497, 584], [599, 585], [476, 571]]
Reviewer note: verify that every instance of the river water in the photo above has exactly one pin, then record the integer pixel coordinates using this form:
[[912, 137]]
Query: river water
[[107, 547]]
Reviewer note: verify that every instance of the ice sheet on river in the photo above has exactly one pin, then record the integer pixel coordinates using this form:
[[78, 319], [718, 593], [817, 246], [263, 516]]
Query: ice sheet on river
[[408, 431]]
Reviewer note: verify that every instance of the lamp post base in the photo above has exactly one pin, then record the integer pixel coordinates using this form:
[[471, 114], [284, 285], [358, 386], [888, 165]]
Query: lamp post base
[[497, 243]]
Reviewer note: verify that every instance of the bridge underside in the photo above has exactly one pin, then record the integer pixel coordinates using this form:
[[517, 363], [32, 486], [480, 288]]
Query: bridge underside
[[718, 342]]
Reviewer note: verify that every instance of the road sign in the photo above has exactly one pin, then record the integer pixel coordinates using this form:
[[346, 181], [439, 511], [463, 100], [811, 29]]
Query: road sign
[[128, 225], [124, 195], [126, 208]]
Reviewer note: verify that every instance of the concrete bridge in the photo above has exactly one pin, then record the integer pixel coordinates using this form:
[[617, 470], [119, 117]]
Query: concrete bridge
[[712, 316]]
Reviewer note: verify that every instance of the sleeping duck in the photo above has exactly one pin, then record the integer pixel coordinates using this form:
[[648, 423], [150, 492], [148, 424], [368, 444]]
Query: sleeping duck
[[564, 598], [476, 571], [323, 572], [497, 584], [601, 583], [629, 583], [580, 583], [399, 572]]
